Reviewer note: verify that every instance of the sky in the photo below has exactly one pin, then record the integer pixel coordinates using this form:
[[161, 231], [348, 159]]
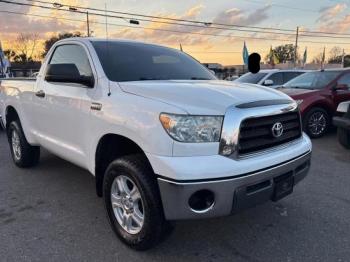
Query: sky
[[225, 47]]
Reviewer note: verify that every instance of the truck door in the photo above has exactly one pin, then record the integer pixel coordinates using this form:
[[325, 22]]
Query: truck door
[[63, 115]]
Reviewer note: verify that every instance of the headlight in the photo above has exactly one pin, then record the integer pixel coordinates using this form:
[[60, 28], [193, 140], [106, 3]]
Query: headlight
[[299, 101], [192, 129]]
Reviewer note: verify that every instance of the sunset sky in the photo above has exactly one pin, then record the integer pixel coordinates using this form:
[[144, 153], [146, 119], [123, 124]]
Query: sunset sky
[[320, 15]]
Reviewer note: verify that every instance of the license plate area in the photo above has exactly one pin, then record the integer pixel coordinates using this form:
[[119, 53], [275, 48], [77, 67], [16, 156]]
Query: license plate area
[[284, 185]]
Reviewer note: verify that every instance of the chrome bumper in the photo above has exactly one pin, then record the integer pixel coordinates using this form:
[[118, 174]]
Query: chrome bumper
[[231, 194]]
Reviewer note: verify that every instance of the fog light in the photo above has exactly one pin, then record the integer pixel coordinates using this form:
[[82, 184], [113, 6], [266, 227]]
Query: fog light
[[201, 201]]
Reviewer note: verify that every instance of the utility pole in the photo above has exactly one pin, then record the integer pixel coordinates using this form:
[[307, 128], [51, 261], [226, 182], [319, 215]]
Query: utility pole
[[87, 23], [296, 48]]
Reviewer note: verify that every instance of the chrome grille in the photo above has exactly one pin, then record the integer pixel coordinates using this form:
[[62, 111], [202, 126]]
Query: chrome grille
[[256, 133]]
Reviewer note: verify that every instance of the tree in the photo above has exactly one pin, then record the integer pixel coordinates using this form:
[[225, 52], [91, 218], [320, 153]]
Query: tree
[[335, 55], [284, 53], [25, 45], [317, 58], [51, 41], [11, 55]]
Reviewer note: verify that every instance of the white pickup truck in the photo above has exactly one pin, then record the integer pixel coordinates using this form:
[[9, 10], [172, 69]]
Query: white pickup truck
[[163, 137]]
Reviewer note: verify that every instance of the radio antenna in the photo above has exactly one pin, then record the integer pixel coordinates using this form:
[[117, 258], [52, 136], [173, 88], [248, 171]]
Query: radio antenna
[[107, 46]]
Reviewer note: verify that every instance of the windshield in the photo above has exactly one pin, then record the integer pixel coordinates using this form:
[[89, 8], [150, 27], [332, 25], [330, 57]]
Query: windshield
[[251, 78], [313, 80], [126, 61]]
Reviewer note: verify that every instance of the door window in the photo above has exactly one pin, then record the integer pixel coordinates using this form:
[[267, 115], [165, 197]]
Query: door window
[[277, 79], [290, 75], [345, 80], [72, 54]]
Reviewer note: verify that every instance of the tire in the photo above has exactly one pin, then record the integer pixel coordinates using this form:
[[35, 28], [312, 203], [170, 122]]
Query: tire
[[316, 122], [23, 154], [344, 137], [132, 171]]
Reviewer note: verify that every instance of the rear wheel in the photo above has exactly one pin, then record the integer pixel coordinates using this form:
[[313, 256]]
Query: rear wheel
[[133, 203], [316, 122], [23, 154]]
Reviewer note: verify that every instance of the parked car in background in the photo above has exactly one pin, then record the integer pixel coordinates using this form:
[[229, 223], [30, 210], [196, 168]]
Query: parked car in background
[[343, 124], [318, 94], [232, 78], [272, 77]]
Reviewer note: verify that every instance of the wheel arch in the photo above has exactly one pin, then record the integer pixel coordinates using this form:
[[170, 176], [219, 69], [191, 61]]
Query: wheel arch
[[10, 115], [324, 105], [109, 147]]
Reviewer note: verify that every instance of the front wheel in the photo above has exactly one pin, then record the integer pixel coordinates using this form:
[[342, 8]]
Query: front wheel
[[133, 203], [316, 122]]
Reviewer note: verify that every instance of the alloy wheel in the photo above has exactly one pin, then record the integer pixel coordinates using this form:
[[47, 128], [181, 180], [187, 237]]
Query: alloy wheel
[[317, 123], [127, 204], [16, 145]]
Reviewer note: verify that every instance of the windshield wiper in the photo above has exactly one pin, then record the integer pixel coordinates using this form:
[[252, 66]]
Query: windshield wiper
[[151, 78], [199, 78]]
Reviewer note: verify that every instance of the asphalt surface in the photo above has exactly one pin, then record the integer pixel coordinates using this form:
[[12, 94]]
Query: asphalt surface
[[51, 213]]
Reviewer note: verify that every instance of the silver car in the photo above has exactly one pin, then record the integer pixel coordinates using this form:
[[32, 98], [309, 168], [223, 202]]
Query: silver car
[[273, 78]]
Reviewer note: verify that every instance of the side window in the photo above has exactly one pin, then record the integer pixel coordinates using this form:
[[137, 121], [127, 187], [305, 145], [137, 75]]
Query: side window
[[290, 75], [345, 80], [277, 79], [72, 54]]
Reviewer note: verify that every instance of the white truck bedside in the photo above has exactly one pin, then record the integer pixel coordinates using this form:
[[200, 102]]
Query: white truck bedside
[[163, 137]]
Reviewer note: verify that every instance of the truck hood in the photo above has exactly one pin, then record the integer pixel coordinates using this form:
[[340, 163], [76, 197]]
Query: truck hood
[[210, 97]]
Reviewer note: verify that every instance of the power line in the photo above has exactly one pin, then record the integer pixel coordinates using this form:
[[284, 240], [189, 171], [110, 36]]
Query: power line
[[208, 24], [146, 28], [172, 31], [146, 20], [75, 9]]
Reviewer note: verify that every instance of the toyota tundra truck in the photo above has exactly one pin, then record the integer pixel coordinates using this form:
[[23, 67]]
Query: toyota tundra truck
[[164, 139]]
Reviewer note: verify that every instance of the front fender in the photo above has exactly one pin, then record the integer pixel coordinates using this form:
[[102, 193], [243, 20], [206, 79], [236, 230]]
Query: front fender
[[133, 117]]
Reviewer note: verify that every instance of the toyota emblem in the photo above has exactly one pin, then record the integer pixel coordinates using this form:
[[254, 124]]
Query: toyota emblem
[[277, 129]]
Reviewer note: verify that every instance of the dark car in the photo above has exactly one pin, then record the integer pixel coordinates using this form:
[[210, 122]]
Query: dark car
[[318, 94]]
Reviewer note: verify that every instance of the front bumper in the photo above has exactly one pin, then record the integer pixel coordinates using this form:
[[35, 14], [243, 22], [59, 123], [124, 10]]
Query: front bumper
[[342, 122], [231, 194]]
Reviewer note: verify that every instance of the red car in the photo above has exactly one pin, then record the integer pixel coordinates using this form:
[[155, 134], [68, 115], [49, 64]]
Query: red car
[[318, 94]]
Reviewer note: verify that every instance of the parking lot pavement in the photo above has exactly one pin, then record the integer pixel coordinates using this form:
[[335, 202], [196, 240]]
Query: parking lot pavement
[[51, 213]]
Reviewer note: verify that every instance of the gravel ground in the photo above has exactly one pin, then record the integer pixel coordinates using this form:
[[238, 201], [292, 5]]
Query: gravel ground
[[51, 213]]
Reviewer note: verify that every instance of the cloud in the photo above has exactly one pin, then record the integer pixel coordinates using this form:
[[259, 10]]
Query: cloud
[[164, 35], [240, 17], [13, 24], [331, 12], [329, 19]]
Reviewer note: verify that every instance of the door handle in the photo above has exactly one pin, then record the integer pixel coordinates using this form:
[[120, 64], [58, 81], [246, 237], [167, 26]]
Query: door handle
[[96, 106], [40, 93]]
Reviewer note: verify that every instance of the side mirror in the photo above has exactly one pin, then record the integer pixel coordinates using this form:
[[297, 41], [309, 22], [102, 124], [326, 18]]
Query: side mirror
[[340, 87], [268, 82], [67, 73]]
